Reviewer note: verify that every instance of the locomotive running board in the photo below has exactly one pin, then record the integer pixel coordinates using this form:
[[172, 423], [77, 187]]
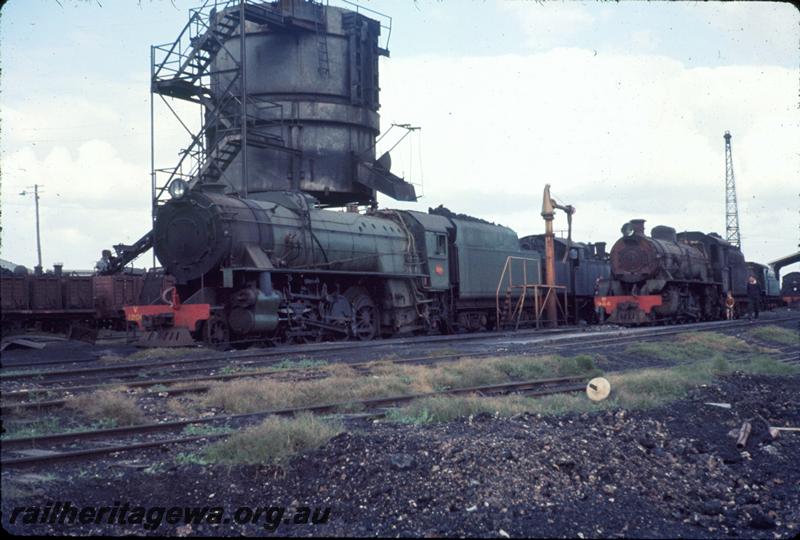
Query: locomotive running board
[[646, 302]]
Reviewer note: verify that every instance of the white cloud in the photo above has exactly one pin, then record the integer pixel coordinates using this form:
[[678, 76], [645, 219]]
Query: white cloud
[[91, 151], [92, 198], [619, 136]]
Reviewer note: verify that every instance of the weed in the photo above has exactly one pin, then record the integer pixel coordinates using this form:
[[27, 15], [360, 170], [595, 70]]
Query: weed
[[303, 363], [230, 370], [273, 441], [204, 429], [191, 458], [177, 407], [41, 426], [345, 385], [107, 406], [691, 346], [156, 468], [634, 389], [775, 334]]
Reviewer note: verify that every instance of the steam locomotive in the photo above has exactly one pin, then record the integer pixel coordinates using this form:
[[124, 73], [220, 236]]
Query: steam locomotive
[[676, 277], [275, 267]]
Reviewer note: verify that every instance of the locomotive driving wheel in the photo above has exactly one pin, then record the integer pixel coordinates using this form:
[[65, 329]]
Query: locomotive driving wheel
[[311, 332], [216, 333], [365, 323]]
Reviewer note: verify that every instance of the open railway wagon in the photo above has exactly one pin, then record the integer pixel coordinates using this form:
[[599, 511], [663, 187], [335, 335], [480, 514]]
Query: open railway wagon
[[66, 302], [671, 277], [51, 302]]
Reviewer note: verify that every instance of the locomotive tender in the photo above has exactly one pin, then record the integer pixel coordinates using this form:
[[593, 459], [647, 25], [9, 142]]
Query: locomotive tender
[[274, 266], [578, 266]]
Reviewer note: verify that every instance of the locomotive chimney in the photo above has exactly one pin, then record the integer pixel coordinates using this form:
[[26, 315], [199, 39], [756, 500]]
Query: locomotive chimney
[[58, 268], [638, 226]]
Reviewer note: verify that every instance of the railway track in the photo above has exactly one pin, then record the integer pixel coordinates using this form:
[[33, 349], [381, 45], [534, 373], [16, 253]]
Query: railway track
[[60, 447], [301, 349], [789, 355], [587, 344], [121, 372], [110, 444], [268, 357]]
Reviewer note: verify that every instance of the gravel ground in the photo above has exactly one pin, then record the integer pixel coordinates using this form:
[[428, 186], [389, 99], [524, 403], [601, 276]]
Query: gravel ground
[[666, 472]]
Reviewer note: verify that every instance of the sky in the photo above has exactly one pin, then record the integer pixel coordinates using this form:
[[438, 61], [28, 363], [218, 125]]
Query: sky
[[621, 107]]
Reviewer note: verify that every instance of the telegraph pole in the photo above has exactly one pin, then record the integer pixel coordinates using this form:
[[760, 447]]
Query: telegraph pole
[[38, 238], [731, 206]]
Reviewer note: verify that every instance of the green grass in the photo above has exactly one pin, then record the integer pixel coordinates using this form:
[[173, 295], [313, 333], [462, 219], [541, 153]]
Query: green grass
[[775, 334], [191, 458], [691, 346], [304, 363], [344, 384], [445, 408], [273, 441], [638, 389], [204, 429]]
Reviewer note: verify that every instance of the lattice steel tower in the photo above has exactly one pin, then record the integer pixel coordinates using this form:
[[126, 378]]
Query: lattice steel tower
[[731, 206]]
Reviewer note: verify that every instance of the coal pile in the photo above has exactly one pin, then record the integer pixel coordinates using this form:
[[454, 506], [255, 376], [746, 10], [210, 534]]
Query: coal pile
[[665, 472]]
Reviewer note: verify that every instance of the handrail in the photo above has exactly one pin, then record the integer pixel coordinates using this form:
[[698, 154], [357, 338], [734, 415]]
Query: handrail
[[537, 288]]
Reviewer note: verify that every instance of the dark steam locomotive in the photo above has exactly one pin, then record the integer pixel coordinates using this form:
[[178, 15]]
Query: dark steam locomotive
[[671, 277], [275, 267]]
